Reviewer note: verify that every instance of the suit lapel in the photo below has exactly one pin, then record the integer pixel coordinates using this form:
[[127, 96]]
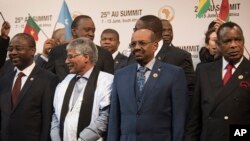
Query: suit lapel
[[116, 61], [132, 83], [9, 83], [149, 86], [162, 54], [234, 82], [215, 75], [33, 76]]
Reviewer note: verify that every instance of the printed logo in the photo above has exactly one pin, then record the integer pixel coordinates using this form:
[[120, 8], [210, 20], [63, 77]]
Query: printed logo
[[166, 12]]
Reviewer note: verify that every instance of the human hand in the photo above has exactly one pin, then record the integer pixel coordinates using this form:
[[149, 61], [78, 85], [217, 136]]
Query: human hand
[[5, 30], [47, 46]]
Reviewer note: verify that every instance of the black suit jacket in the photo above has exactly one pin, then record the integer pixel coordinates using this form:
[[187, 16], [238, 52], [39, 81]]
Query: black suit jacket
[[40, 61], [4, 43], [30, 119], [120, 61], [176, 56], [58, 55], [214, 106]]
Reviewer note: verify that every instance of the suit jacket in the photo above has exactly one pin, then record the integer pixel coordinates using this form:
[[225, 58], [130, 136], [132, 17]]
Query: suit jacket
[[58, 55], [120, 61], [30, 119], [162, 112], [176, 56], [40, 61], [4, 43], [214, 106]]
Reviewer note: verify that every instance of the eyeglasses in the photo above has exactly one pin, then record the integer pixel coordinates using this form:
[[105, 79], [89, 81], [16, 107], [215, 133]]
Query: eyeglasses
[[72, 56], [139, 43]]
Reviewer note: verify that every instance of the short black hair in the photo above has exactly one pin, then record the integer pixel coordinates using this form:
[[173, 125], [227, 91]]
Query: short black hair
[[31, 41], [227, 25], [112, 31], [153, 23], [77, 19]]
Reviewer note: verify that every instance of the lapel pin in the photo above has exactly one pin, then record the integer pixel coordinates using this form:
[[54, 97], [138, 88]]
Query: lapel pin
[[240, 77], [31, 79], [155, 75], [116, 62]]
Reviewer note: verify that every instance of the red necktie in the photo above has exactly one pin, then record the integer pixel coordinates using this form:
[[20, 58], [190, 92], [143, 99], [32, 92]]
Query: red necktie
[[16, 88], [228, 74]]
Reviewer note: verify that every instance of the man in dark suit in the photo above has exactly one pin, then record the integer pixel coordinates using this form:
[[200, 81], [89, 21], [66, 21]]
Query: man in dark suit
[[156, 111], [26, 95], [110, 41], [222, 92], [173, 55], [166, 52], [82, 26], [4, 42]]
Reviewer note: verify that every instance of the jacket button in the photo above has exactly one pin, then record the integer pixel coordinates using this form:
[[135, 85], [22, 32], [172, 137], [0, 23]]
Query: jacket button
[[226, 117]]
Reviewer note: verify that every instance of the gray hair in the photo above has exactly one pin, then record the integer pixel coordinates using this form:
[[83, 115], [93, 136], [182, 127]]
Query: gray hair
[[86, 47]]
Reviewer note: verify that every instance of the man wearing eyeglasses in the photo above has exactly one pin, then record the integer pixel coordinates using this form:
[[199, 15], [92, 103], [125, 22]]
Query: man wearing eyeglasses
[[149, 98], [26, 94], [82, 99], [166, 51]]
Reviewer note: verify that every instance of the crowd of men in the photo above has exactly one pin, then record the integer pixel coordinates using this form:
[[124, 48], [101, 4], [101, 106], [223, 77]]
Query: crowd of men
[[79, 91]]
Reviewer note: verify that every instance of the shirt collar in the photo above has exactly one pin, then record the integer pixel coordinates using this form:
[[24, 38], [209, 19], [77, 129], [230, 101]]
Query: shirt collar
[[87, 74], [149, 65], [225, 62], [115, 54], [27, 71]]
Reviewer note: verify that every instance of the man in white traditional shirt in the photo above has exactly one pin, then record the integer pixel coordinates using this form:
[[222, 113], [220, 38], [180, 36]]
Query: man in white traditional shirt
[[82, 99]]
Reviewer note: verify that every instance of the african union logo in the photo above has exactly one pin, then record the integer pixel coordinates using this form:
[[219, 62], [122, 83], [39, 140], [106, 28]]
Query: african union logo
[[166, 12]]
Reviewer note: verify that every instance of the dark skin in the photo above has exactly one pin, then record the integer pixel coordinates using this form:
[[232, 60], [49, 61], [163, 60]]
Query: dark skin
[[167, 32], [21, 53], [231, 44]]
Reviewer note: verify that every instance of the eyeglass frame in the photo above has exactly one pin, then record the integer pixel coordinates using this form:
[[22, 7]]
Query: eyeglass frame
[[70, 57]]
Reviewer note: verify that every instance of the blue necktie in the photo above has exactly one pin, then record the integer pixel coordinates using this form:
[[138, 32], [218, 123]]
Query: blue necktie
[[141, 78]]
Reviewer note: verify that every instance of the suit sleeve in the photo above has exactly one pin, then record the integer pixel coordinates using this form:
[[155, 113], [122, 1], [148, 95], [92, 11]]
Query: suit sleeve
[[194, 124], [4, 43], [47, 107], [179, 106], [188, 68], [40, 61], [114, 117], [105, 61]]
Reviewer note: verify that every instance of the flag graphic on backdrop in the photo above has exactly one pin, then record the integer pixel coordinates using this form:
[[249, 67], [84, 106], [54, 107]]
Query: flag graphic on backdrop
[[224, 10], [32, 28], [65, 19], [203, 7]]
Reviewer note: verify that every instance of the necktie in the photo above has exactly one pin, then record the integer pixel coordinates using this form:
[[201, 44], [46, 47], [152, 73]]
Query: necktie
[[228, 74], [16, 88], [141, 77], [81, 82]]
